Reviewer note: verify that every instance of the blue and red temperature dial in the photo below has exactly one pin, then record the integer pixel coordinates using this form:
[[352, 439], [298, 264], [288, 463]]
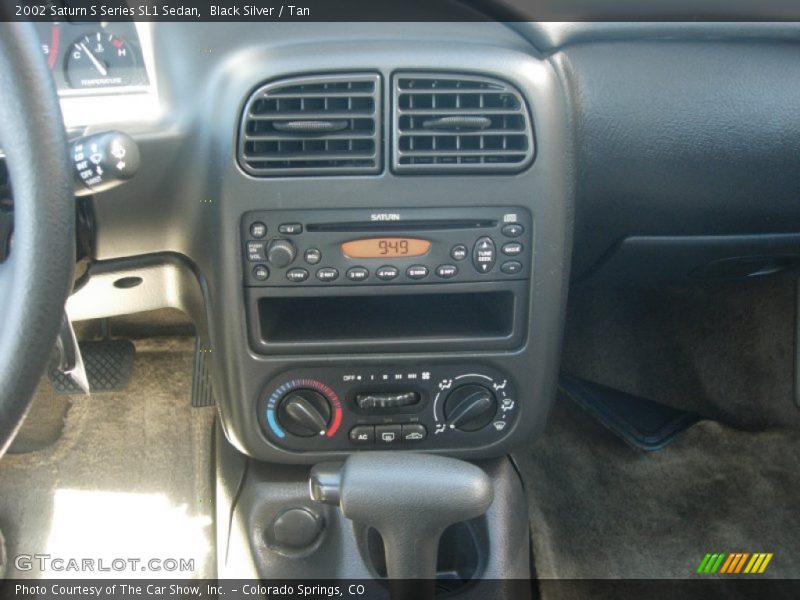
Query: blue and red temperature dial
[[303, 408]]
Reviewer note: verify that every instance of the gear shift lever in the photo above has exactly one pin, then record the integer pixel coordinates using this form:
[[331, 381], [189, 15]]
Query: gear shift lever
[[410, 499]]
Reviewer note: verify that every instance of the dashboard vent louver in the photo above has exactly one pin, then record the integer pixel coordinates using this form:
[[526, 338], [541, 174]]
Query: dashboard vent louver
[[463, 123], [316, 125]]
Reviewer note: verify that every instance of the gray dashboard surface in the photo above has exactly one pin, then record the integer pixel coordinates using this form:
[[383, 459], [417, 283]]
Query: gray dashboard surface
[[680, 130], [190, 193], [683, 138], [552, 36]]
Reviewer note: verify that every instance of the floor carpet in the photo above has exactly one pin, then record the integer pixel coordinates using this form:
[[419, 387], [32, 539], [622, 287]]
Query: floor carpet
[[601, 509], [129, 477]]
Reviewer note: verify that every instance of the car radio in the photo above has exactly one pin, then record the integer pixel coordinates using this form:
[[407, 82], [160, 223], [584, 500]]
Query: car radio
[[357, 247]]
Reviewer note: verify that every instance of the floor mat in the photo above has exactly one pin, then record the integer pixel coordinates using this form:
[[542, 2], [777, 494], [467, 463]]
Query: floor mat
[[643, 424], [600, 509], [130, 477], [724, 350]]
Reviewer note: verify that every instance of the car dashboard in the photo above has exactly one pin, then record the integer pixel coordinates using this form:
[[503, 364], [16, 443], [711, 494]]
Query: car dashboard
[[374, 228]]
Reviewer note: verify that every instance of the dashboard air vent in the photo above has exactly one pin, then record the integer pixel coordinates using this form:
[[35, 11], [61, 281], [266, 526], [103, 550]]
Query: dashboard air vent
[[463, 123], [316, 125]]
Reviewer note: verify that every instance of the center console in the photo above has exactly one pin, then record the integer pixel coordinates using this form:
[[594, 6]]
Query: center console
[[371, 227], [407, 279], [391, 276]]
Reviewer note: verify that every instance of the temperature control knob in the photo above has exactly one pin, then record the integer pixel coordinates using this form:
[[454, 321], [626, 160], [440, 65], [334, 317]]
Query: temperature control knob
[[281, 252], [470, 407], [304, 413]]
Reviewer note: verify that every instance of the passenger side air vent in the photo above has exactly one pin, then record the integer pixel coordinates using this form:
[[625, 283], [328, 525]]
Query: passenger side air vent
[[450, 122], [321, 125]]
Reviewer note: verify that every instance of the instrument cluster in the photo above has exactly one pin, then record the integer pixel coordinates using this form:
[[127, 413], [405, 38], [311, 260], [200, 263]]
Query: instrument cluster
[[87, 57]]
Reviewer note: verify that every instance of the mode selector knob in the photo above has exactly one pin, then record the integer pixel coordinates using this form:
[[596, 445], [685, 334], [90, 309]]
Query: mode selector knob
[[304, 413], [281, 252], [470, 407]]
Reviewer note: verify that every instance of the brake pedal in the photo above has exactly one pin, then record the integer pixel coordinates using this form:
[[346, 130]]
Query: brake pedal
[[108, 364]]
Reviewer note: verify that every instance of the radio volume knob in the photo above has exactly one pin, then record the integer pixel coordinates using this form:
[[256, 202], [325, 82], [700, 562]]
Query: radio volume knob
[[281, 252]]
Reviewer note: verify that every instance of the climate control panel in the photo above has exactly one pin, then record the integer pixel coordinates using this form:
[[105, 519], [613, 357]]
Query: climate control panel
[[400, 407]]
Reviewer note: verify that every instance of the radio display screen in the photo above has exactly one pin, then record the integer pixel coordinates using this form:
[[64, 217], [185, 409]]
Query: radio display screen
[[385, 247]]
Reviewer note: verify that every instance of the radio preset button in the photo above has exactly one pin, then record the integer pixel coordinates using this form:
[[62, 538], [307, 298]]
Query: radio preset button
[[387, 272], [327, 274], [446, 271], [258, 229], [459, 252], [357, 274], [417, 272], [511, 267], [512, 230], [312, 256], [255, 251], [260, 272], [362, 434], [414, 432], [290, 228], [484, 254], [297, 275], [387, 434], [512, 248]]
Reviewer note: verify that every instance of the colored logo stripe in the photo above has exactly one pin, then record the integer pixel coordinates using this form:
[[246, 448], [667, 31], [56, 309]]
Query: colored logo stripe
[[734, 563], [710, 563]]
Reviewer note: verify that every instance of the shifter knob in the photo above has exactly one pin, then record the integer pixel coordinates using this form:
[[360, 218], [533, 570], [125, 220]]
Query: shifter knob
[[409, 498]]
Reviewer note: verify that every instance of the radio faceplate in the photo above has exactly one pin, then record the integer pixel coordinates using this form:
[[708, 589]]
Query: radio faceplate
[[358, 247]]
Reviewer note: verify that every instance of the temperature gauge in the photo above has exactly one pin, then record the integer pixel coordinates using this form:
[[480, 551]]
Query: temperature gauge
[[100, 60]]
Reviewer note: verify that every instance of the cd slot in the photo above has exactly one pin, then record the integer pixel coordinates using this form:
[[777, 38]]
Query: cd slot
[[407, 225]]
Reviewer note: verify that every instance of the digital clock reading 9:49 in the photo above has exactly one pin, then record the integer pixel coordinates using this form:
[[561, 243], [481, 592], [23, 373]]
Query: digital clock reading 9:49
[[386, 247]]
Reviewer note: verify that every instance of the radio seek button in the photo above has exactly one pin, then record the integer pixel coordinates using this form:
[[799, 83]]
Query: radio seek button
[[362, 434], [357, 274], [512, 249], [414, 432], [484, 255], [296, 275], [417, 272], [511, 267], [446, 271], [387, 273], [255, 251], [327, 274], [387, 434]]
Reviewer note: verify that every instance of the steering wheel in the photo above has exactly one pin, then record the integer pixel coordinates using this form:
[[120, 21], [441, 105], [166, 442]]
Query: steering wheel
[[36, 277]]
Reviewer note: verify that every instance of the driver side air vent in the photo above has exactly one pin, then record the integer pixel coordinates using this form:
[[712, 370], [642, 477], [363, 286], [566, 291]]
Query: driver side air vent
[[317, 125], [463, 123]]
